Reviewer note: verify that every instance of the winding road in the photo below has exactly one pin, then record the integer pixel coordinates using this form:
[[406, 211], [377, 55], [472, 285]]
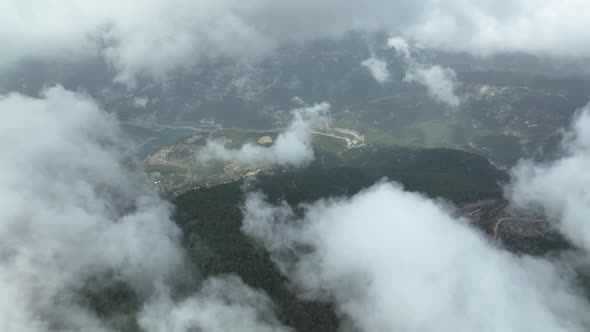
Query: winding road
[[501, 220]]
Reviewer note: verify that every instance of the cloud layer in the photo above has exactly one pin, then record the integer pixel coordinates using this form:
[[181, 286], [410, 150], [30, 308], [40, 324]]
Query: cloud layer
[[72, 215], [392, 260], [156, 37], [292, 147]]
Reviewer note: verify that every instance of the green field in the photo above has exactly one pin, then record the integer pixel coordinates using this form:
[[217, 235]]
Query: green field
[[240, 137]]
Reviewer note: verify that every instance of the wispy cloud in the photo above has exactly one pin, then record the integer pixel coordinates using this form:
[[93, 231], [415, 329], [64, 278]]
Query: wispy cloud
[[378, 69], [293, 147], [560, 189], [439, 81]]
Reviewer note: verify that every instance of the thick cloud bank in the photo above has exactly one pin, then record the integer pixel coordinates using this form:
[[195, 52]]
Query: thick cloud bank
[[560, 189], [292, 147], [155, 37], [396, 261], [72, 215], [439, 81]]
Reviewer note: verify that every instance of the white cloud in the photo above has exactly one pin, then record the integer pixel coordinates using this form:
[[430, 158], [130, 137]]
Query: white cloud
[[292, 147], [155, 37], [71, 212], [392, 260], [378, 69], [560, 189], [439, 81]]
